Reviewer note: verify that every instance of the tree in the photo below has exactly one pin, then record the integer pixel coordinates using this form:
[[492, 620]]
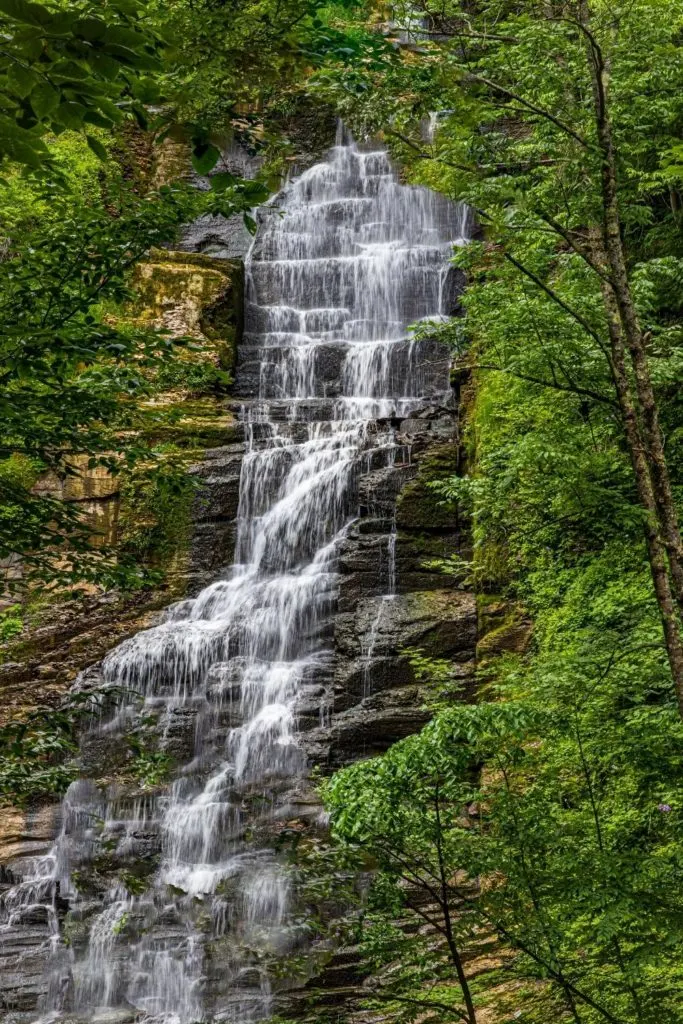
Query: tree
[[74, 66], [559, 792], [553, 135], [557, 847], [248, 84]]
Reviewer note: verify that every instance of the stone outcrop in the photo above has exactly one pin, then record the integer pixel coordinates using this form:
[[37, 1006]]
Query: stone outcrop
[[40, 664], [391, 602], [186, 293]]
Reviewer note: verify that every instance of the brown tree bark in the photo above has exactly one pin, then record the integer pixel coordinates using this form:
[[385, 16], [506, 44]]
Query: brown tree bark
[[631, 331], [448, 924], [655, 547]]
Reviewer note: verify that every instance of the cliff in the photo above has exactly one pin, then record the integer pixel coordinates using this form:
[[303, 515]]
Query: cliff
[[357, 700]]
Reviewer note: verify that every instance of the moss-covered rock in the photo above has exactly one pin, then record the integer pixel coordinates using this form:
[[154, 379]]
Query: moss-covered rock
[[502, 627], [160, 518], [155, 512], [418, 506], [191, 426], [188, 294], [171, 160]]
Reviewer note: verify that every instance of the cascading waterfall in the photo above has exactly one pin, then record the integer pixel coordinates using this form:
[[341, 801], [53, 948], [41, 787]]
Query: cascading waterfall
[[344, 260]]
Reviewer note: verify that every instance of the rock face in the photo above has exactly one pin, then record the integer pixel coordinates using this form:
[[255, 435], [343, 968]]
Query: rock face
[[391, 602], [188, 295], [171, 899], [192, 294]]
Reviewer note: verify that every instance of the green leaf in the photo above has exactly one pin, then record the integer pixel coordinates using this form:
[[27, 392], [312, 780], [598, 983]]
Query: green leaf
[[70, 115], [122, 36], [108, 67], [28, 44], [133, 58], [21, 79], [61, 23], [219, 182], [140, 115], [69, 69], [145, 90], [109, 109], [94, 117], [257, 191], [98, 149], [92, 29], [24, 152], [205, 156], [44, 99], [28, 13]]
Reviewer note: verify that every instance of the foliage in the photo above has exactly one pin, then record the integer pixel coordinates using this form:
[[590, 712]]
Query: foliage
[[156, 499], [26, 204], [546, 816], [541, 827], [196, 376], [39, 747], [562, 788], [566, 846], [11, 622], [547, 111], [85, 67], [253, 87], [74, 66], [37, 750], [72, 379], [149, 767], [259, 44], [218, 90]]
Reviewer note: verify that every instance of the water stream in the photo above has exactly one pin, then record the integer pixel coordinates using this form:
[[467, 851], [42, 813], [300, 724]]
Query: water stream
[[344, 260]]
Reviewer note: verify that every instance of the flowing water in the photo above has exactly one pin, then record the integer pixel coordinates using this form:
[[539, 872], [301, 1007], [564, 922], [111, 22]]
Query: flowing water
[[344, 260]]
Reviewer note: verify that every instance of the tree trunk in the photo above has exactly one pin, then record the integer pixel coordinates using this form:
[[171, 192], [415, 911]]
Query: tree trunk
[[448, 924], [655, 547], [632, 334]]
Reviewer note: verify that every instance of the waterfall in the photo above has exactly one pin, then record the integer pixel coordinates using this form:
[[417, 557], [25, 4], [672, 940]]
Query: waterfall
[[344, 260]]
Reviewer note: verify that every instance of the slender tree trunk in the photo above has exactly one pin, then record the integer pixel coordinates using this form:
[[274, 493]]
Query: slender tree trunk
[[635, 998], [632, 333], [655, 547], [661, 481], [538, 908], [445, 906]]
